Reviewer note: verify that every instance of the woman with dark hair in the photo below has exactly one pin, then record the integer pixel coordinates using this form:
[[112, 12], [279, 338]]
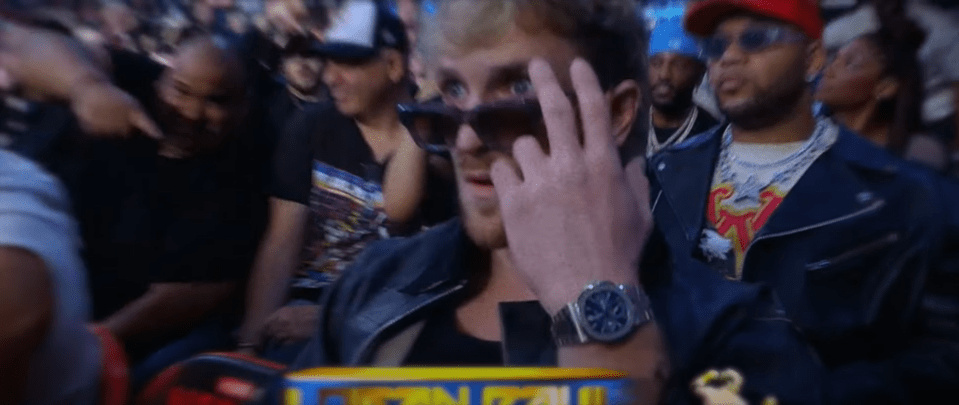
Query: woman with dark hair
[[874, 86]]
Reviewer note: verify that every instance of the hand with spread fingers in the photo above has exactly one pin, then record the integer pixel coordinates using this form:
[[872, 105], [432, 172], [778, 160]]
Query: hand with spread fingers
[[572, 216], [51, 67], [103, 109]]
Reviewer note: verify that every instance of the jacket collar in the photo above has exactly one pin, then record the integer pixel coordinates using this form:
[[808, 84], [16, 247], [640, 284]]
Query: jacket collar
[[682, 173], [431, 271], [441, 271], [440, 264], [830, 189]]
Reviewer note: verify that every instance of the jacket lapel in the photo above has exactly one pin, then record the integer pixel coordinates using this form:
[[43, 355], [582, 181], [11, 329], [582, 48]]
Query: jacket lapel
[[393, 351], [829, 191], [685, 178]]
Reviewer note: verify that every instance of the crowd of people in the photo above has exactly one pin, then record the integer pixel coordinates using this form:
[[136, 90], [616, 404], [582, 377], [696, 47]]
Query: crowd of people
[[662, 188]]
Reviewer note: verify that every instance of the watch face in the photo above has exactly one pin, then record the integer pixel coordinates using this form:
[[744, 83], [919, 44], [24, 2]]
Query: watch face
[[607, 314]]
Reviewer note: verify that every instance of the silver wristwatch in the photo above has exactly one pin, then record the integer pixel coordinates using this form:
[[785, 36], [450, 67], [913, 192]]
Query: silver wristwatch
[[605, 312]]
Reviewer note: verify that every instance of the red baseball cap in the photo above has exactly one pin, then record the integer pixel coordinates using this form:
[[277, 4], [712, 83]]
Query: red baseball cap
[[702, 17]]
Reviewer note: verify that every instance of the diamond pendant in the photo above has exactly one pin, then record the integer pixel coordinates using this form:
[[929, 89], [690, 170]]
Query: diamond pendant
[[749, 191], [715, 246]]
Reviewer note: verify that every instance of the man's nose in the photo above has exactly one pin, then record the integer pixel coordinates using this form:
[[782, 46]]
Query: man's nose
[[733, 54], [331, 74], [191, 109], [467, 141], [659, 74]]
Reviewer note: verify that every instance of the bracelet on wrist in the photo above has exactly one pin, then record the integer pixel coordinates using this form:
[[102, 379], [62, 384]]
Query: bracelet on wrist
[[246, 345]]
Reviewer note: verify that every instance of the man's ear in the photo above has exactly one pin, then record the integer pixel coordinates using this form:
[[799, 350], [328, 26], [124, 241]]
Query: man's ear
[[6, 80], [395, 65], [815, 58], [886, 89], [624, 101], [8, 65]]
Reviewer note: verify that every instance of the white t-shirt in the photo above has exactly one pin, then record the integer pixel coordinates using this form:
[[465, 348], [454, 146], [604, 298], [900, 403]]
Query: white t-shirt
[[939, 55], [750, 182], [35, 216]]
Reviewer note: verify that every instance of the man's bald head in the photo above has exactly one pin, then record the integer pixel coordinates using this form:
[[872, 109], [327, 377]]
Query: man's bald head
[[202, 94], [211, 60]]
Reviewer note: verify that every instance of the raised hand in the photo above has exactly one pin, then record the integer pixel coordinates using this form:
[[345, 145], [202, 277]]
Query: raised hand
[[572, 216], [104, 110]]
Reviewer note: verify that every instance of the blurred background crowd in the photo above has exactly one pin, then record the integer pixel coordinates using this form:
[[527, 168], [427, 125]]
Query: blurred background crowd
[[218, 219], [287, 27]]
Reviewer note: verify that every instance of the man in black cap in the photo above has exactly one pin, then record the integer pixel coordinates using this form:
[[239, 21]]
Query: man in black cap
[[349, 171], [301, 66], [302, 88]]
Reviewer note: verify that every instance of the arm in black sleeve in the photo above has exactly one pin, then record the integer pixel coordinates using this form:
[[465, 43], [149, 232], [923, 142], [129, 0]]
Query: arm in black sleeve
[[292, 160]]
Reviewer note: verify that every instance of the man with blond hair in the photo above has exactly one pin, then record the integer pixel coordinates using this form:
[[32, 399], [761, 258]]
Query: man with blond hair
[[546, 209]]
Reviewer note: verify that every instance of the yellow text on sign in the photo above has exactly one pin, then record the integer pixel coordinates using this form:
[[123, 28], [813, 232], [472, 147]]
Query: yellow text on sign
[[396, 396]]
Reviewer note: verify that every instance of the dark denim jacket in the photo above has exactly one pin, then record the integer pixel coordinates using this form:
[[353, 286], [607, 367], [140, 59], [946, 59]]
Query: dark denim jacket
[[847, 252], [372, 314]]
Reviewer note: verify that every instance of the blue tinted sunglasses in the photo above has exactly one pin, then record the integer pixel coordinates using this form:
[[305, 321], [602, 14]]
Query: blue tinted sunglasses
[[752, 39]]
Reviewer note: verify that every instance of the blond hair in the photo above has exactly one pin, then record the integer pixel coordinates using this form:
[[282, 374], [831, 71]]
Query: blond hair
[[608, 33]]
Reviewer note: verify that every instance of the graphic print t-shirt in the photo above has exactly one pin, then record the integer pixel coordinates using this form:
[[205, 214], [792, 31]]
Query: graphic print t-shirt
[[323, 162], [738, 209]]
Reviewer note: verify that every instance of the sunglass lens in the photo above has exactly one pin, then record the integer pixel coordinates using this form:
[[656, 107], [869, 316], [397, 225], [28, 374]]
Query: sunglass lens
[[755, 40], [715, 47], [432, 130], [499, 126]]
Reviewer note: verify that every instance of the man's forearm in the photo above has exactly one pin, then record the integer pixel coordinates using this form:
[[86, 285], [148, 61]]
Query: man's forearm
[[643, 357], [274, 266], [48, 64], [404, 184], [27, 311], [169, 308], [266, 292]]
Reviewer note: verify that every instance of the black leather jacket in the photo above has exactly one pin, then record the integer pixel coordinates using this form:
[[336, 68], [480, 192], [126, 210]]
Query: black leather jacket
[[848, 253], [373, 314]]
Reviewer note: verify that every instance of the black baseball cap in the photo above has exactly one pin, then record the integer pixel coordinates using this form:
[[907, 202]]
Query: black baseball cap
[[303, 45], [362, 28]]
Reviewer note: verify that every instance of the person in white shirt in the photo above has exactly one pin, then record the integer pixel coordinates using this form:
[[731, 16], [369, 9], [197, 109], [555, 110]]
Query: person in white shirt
[[48, 356]]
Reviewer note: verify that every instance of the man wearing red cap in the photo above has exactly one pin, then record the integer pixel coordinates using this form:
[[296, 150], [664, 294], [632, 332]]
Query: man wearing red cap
[[842, 231]]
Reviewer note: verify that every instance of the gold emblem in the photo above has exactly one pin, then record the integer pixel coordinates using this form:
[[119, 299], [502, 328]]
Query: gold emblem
[[722, 388]]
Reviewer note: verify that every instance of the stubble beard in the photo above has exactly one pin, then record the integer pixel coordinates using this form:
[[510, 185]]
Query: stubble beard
[[771, 107], [680, 104], [483, 225], [308, 89]]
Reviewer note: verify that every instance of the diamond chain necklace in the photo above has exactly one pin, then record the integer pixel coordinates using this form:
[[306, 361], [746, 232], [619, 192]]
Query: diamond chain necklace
[[652, 143], [752, 187]]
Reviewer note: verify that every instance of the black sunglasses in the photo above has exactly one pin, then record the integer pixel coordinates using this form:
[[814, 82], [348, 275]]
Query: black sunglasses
[[752, 39], [435, 126]]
